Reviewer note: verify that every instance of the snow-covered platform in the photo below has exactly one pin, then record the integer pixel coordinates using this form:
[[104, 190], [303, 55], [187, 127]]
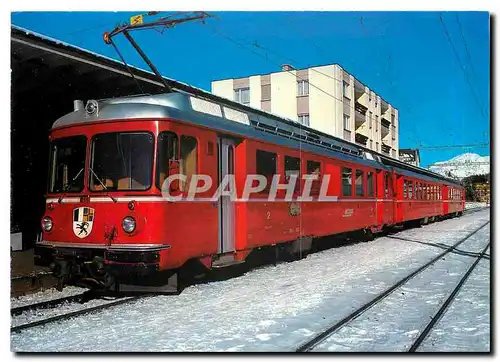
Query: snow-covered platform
[[277, 308]]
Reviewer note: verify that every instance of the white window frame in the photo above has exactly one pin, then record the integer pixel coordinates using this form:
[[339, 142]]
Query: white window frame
[[348, 119], [345, 88], [302, 88], [238, 95], [304, 119]]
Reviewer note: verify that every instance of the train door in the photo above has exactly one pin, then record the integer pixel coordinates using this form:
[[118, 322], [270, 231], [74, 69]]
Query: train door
[[388, 198], [225, 164], [399, 194]]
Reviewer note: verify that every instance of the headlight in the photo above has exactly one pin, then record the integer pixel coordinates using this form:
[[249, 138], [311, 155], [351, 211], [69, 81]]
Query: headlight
[[47, 223], [128, 224]]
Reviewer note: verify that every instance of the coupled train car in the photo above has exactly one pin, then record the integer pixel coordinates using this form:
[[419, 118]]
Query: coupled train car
[[108, 221]]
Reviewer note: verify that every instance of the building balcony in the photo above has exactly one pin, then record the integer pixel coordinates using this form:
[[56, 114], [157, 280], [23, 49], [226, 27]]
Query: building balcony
[[384, 131], [385, 121], [359, 119], [360, 139], [384, 106], [386, 149]]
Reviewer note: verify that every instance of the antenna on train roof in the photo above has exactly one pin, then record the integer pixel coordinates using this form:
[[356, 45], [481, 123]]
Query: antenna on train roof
[[137, 22]]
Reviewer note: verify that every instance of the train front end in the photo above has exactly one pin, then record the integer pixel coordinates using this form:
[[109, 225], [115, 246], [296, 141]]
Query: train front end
[[102, 225]]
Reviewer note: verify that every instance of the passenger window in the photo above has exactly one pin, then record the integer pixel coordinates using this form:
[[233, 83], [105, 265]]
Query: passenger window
[[292, 167], [410, 189], [314, 168], [347, 181], [359, 183], [371, 188], [167, 162], [189, 160], [405, 189], [266, 166]]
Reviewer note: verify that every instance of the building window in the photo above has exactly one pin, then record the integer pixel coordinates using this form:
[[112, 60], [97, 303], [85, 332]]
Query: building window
[[265, 92], [370, 120], [303, 88], [266, 166], [376, 102], [392, 118], [359, 183], [371, 188], [304, 119], [371, 144], [242, 95], [346, 181], [346, 122], [376, 123], [376, 147], [346, 89]]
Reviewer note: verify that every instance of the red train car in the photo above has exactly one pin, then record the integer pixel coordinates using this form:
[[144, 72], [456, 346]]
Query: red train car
[[112, 217]]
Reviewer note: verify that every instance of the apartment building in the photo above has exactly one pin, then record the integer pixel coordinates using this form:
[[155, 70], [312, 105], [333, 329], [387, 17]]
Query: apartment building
[[326, 98]]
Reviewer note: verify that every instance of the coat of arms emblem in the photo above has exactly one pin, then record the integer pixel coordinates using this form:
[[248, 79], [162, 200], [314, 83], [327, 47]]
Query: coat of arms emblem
[[83, 218]]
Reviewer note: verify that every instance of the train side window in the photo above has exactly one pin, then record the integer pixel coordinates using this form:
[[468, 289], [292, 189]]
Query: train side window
[[314, 168], [346, 181], [410, 189], [292, 167], [405, 189], [167, 162], [371, 188], [266, 166], [359, 183], [189, 160]]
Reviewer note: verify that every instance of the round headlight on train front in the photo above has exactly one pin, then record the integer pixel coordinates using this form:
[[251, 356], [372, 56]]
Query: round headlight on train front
[[128, 224], [47, 223]]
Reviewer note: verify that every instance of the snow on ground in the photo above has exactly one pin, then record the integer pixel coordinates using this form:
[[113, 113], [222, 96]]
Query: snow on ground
[[395, 323], [274, 308], [44, 295], [474, 205], [465, 326]]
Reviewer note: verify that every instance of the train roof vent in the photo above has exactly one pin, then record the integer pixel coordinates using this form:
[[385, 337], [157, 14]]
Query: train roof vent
[[237, 116], [203, 106]]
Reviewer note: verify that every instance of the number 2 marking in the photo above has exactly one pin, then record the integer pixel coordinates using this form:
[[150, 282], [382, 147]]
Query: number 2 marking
[[268, 215]]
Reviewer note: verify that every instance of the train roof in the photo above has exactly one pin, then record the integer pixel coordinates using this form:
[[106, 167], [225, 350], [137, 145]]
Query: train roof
[[240, 120]]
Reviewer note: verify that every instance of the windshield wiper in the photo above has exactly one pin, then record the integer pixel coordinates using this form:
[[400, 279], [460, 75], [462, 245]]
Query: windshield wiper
[[102, 184], [68, 186]]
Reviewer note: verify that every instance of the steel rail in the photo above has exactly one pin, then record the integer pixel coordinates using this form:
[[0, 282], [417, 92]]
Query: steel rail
[[75, 313], [47, 304], [309, 345], [446, 304]]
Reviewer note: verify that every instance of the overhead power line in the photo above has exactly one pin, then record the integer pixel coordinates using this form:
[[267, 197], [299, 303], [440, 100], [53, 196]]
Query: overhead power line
[[473, 145], [462, 67]]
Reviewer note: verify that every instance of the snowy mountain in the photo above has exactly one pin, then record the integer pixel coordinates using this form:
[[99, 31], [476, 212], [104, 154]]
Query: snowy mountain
[[464, 165]]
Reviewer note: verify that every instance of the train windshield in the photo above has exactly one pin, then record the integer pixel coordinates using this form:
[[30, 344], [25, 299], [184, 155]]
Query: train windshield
[[67, 163], [121, 161]]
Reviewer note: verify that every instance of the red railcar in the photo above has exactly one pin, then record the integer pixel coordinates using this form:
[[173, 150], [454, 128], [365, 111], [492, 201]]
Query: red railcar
[[107, 219]]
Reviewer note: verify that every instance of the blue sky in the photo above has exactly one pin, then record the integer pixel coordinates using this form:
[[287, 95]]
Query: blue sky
[[404, 56]]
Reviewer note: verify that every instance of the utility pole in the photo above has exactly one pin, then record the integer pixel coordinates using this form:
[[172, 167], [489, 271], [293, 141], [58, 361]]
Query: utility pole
[[137, 22]]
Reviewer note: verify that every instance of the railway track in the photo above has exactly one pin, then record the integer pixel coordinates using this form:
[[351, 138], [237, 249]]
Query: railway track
[[309, 345], [78, 298], [75, 313], [445, 305]]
